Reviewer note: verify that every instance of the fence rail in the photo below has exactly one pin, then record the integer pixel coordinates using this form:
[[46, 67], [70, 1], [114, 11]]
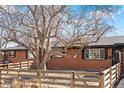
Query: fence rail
[[52, 78], [25, 64], [111, 76], [20, 65]]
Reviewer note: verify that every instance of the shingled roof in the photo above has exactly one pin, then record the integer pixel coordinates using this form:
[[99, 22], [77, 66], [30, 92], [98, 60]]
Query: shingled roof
[[103, 41], [112, 40], [13, 48]]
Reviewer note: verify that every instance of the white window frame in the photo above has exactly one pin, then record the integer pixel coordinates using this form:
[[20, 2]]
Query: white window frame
[[92, 53]]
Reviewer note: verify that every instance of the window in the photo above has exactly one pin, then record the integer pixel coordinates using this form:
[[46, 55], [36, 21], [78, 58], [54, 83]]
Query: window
[[98, 53], [1, 55], [57, 52], [30, 55], [11, 53]]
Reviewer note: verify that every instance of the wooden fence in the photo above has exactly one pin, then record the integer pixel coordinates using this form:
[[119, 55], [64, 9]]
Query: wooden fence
[[20, 65], [24, 64], [53, 78], [110, 76]]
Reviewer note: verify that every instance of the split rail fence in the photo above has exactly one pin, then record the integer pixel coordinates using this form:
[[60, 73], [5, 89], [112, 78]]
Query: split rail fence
[[53, 78]]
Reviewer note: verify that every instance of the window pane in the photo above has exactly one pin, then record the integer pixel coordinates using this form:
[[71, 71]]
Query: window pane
[[91, 54], [12, 53], [102, 53], [87, 53], [96, 54], [1, 55]]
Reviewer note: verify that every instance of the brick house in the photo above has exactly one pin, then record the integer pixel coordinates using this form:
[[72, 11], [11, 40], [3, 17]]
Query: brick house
[[97, 56], [13, 53]]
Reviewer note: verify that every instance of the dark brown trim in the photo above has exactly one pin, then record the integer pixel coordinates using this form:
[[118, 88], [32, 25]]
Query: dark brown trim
[[106, 53], [26, 54], [82, 52], [13, 50], [96, 46]]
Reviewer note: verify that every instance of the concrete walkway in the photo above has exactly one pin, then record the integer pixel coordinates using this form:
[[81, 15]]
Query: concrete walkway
[[121, 83]]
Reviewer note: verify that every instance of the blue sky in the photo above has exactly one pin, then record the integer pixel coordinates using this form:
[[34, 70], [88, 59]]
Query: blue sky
[[119, 23], [117, 19]]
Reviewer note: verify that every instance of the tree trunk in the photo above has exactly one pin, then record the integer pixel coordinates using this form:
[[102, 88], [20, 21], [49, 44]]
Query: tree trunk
[[44, 60]]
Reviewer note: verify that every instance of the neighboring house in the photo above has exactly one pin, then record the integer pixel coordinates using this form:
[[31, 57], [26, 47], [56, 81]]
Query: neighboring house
[[97, 56], [14, 53]]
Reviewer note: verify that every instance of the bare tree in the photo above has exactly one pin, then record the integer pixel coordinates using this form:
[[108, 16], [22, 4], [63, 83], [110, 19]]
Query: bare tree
[[39, 28]]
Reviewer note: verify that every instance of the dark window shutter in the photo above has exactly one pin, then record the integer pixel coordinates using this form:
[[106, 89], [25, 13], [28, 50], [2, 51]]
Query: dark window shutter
[[26, 54], [83, 53], [14, 53], [106, 53]]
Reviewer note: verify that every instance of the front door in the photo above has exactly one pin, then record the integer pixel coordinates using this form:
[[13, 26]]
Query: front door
[[117, 55]]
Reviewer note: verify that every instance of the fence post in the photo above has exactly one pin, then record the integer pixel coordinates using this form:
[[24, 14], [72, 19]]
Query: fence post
[[72, 80], [18, 85], [101, 79], [111, 84], [0, 78], [7, 66], [119, 70], [116, 72], [20, 65], [18, 75], [28, 64], [7, 70], [40, 78]]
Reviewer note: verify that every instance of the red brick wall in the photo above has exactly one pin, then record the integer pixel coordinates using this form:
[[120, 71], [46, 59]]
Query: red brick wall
[[69, 62], [21, 54], [109, 52]]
